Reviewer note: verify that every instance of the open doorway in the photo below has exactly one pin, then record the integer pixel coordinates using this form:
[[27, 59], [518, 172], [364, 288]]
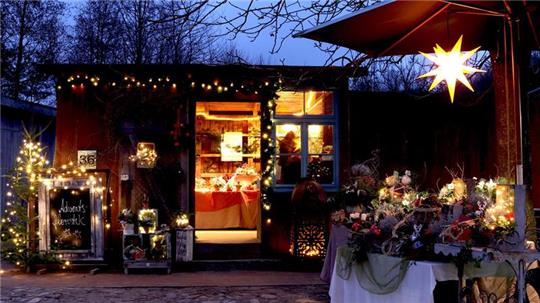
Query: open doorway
[[227, 172]]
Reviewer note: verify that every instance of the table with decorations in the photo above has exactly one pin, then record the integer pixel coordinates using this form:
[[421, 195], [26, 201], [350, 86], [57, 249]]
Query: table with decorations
[[392, 242]]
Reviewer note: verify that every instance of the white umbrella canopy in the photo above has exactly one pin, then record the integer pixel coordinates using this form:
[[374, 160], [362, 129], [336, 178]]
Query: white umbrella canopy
[[405, 27]]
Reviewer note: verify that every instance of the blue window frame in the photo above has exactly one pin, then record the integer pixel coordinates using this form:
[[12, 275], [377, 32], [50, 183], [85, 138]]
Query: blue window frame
[[305, 133]]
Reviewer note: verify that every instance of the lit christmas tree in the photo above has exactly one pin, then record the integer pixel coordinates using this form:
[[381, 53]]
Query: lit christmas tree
[[18, 229]]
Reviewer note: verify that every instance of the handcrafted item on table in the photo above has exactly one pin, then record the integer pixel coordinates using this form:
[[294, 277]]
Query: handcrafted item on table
[[234, 209]]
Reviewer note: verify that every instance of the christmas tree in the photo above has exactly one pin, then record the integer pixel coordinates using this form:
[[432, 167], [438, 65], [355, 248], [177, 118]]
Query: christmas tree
[[19, 235]]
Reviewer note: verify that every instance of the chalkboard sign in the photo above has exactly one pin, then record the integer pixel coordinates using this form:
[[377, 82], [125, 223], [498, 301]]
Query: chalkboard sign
[[70, 219]]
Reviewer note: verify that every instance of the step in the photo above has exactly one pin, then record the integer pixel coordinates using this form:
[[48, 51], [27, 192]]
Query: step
[[260, 264], [227, 251]]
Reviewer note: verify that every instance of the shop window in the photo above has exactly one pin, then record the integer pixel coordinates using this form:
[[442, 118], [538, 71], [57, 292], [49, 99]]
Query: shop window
[[305, 103], [305, 137]]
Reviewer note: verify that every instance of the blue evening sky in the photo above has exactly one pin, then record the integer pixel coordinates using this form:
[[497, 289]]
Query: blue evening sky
[[295, 51]]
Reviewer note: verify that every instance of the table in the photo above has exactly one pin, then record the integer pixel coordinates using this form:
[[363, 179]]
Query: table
[[417, 285], [339, 235], [234, 209]]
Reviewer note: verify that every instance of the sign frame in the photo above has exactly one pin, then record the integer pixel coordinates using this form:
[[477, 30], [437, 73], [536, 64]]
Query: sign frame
[[96, 251]]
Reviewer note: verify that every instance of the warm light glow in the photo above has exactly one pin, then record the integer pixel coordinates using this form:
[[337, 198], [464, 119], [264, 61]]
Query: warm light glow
[[182, 221], [450, 67]]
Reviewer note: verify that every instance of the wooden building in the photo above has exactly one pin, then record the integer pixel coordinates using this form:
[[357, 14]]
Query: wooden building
[[229, 143]]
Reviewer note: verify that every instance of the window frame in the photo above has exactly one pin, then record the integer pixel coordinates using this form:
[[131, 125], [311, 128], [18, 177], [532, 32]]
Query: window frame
[[304, 122]]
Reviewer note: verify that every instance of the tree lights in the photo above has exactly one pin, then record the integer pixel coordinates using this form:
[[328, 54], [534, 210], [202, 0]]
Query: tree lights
[[19, 234]]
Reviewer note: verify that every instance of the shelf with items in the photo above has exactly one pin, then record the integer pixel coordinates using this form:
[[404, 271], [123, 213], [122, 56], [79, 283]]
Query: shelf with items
[[147, 251]]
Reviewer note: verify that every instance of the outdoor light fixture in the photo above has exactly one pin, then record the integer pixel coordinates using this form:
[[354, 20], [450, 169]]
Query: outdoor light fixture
[[450, 67], [146, 155]]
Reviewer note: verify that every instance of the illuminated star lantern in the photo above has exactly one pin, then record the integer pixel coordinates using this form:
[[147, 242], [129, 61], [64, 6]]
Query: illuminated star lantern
[[450, 67]]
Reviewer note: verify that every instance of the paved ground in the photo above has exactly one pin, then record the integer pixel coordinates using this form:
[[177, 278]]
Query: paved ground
[[206, 286]]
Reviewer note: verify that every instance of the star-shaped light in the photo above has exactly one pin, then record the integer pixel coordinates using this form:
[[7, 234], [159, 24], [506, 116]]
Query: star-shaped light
[[450, 67]]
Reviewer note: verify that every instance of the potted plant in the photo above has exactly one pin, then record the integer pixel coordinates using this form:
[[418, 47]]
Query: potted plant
[[127, 219], [148, 220]]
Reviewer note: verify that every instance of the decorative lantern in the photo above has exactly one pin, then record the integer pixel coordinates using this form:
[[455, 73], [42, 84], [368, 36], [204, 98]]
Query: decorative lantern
[[309, 229], [451, 67], [146, 155], [147, 220], [508, 212], [460, 189], [308, 239]]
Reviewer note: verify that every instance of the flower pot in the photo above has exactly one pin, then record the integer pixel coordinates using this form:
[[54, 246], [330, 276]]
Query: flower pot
[[128, 228]]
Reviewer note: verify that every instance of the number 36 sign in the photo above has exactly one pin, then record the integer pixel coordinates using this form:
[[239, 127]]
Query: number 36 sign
[[87, 159]]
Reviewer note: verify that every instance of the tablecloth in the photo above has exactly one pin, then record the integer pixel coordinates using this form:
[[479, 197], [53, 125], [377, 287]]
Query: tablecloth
[[338, 237], [417, 285], [235, 209]]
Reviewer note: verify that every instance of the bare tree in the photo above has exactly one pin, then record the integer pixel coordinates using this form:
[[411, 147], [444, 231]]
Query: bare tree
[[281, 19], [97, 33], [137, 44], [182, 36], [151, 31], [31, 34]]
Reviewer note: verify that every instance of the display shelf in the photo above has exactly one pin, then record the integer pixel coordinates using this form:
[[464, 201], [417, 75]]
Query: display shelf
[[147, 251]]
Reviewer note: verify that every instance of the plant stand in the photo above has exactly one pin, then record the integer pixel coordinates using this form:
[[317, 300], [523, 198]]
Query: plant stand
[[147, 251]]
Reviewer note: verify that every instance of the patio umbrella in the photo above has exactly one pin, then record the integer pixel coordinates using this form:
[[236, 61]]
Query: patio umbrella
[[407, 27], [400, 27]]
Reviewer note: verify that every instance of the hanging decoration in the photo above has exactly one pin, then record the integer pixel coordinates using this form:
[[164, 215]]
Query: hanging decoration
[[146, 155], [451, 67]]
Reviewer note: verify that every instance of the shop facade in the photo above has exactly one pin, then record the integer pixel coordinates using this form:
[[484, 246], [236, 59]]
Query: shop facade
[[217, 143]]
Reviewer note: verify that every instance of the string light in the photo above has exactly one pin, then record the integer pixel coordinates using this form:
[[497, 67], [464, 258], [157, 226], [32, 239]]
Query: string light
[[217, 86]]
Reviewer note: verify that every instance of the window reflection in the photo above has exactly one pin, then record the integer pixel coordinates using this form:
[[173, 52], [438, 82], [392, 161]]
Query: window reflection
[[290, 104], [288, 136], [305, 103], [288, 168], [320, 139], [321, 168], [319, 103]]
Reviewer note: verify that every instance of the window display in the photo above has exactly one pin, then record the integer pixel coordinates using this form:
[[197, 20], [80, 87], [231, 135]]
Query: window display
[[305, 137], [227, 168]]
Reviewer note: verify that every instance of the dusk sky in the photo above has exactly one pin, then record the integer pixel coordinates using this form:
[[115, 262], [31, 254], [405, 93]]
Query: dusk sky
[[295, 51]]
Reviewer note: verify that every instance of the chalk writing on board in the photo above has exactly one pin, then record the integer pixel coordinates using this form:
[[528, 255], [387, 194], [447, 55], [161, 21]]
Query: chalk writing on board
[[70, 215]]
